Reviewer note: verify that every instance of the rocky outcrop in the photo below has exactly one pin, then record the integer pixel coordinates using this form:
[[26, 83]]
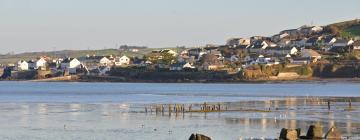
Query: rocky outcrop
[[315, 132], [333, 134], [289, 134], [199, 137]]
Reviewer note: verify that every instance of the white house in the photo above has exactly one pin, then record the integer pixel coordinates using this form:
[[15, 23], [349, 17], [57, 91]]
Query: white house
[[106, 61], [40, 63], [70, 64], [22, 65], [259, 47], [124, 60]]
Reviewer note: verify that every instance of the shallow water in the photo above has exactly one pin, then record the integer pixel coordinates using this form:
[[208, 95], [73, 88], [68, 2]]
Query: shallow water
[[31, 110]]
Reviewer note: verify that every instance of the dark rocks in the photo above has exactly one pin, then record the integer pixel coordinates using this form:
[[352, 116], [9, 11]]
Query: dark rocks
[[333, 134], [315, 132], [199, 137], [289, 134]]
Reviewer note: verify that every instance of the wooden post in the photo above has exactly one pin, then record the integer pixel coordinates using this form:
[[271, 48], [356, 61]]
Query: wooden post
[[349, 103], [328, 104]]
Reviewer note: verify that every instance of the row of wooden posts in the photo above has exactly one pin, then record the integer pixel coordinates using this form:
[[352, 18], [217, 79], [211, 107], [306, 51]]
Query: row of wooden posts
[[182, 108], [329, 104], [205, 107]]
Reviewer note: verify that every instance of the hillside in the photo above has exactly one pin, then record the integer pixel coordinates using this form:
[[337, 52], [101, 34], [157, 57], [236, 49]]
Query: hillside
[[5, 59], [346, 29]]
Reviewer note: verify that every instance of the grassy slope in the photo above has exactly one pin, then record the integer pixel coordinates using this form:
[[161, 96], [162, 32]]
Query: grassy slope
[[353, 31], [4, 59], [346, 29]]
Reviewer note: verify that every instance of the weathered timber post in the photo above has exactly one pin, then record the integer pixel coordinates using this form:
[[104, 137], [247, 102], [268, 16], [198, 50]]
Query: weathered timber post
[[349, 103]]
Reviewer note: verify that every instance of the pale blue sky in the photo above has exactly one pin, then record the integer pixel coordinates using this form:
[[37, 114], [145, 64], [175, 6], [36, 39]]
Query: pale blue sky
[[42, 25]]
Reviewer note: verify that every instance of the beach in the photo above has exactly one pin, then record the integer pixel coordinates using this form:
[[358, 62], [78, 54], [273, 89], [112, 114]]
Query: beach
[[73, 110]]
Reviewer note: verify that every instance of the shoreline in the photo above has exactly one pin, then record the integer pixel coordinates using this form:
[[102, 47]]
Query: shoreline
[[122, 80]]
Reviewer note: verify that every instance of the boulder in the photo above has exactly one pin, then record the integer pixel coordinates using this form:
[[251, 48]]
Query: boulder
[[333, 134], [289, 134], [315, 132], [199, 137]]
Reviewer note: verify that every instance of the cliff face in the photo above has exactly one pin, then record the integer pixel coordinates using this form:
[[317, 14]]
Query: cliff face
[[336, 71]]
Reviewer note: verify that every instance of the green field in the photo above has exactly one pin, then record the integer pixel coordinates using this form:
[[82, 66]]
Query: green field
[[350, 32]]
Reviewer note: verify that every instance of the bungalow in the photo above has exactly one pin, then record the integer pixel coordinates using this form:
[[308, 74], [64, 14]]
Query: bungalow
[[124, 60], [341, 45], [309, 53], [22, 65], [281, 50], [71, 65]]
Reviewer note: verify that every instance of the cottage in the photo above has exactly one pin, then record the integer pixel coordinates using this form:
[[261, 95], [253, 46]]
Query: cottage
[[356, 45], [71, 65], [124, 60], [22, 65], [40, 63], [107, 61]]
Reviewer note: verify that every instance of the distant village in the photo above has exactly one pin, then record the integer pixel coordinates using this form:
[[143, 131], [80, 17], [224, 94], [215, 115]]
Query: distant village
[[253, 57]]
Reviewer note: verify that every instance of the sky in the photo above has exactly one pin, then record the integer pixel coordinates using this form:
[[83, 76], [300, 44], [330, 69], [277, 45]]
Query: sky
[[47, 25]]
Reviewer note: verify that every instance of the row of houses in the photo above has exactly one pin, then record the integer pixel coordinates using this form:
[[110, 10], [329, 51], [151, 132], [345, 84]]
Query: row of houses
[[72, 65]]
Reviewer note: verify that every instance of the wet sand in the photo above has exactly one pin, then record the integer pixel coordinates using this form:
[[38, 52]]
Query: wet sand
[[131, 122]]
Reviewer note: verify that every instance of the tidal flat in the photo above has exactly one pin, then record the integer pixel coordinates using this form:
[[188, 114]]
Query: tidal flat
[[32, 110]]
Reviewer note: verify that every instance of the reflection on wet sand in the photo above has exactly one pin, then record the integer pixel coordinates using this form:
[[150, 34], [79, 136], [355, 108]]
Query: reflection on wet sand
[[131, 119]]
